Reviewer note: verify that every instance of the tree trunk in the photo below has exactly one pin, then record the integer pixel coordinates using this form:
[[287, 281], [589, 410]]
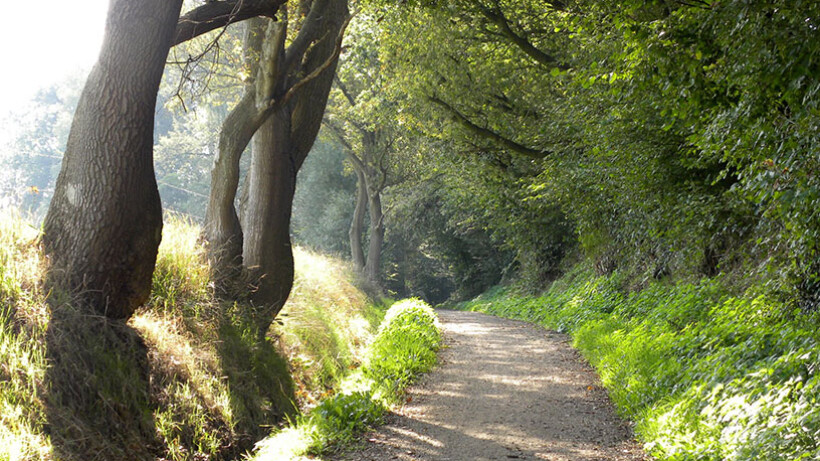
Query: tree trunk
[[357, 224], [279, 149], [104, 224], [374, 249], [223, 230], [267, 248]]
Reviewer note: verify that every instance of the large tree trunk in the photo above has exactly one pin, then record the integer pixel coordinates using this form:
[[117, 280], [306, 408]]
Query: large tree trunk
[[267, 249], [374, 249], [357, 223], [104, 223], [280, 148]]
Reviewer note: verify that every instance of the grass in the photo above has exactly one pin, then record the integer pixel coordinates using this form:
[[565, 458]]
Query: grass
[[404, 347], [184, 379], [704, 372]]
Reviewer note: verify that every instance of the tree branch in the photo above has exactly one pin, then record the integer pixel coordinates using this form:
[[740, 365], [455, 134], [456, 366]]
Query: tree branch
[[344, 91], [496, 16], [216, 14], [489, 134], [316, 72]]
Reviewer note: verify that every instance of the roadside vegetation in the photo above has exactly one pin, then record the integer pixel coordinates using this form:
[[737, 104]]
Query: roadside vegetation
[[185, 378], [404, 347], [706, 371]]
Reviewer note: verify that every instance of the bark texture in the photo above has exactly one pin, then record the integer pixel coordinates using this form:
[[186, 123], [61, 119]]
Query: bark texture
[[104, 224], [283, 105], [374, 249], [357, 223], [281, 147], [223, 230]]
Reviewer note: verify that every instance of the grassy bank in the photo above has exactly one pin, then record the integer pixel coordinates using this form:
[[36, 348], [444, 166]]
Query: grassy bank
[[185, 378], [404, 347], [704, 372]]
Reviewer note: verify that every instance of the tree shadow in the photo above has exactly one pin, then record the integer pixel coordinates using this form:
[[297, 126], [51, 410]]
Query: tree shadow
[[97, 389], [262, 391]]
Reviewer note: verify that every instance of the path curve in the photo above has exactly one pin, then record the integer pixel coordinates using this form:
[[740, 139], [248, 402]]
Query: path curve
[[503, 390]]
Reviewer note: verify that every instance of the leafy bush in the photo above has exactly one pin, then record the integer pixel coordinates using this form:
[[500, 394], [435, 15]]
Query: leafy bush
[[705, 373], [405, 346]]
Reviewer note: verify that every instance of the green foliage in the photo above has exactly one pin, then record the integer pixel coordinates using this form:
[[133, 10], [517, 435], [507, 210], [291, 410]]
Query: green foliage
[[705, 373], [324, 200], [404, 347]]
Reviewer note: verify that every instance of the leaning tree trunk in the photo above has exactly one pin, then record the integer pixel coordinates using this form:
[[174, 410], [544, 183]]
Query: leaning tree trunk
[[223, 231], [357, 223], [104, 223]]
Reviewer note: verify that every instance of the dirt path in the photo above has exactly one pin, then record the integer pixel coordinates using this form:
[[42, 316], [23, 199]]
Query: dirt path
[[503, 390]]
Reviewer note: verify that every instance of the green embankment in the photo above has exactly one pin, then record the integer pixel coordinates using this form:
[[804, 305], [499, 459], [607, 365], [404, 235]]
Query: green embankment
[[705, 374], [404, 347], [185, 378]]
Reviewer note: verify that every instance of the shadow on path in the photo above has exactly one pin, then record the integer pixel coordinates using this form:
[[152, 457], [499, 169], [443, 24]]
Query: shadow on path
[[504, 390]]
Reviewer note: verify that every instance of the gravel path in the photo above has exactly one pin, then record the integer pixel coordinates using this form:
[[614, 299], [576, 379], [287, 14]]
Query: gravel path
[[503, 390]]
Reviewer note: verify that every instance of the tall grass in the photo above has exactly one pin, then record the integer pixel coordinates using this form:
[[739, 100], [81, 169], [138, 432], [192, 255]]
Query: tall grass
[[706, 373], [23, 323], [186, 378]]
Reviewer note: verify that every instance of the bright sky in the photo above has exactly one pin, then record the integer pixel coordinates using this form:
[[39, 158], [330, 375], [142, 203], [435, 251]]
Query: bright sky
[[44, 41]]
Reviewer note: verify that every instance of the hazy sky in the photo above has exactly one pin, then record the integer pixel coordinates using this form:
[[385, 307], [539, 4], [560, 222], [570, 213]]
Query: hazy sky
[[44, 41]]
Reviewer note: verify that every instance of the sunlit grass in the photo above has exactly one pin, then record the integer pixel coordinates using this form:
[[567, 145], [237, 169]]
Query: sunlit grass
[[404, 347], [214, 388], [704, 372], [325, 325], [23, 322]]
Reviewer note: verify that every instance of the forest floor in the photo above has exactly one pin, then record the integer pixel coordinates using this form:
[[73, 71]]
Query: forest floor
[[504, 389]]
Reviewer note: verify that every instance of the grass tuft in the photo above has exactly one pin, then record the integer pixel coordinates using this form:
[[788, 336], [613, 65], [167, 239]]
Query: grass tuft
[[404, 347]]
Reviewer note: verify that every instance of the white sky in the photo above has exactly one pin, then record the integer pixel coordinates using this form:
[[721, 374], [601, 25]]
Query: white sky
[[44, 41]]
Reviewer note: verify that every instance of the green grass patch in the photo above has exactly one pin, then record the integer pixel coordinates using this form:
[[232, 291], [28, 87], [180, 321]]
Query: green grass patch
[[404, 347], [705, 373]]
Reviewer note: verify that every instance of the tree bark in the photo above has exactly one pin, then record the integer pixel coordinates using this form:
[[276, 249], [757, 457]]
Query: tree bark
[[267, 248], [357, 223], [374, 249], [223, 230], [104, 224], [215, 14], [280, 147]]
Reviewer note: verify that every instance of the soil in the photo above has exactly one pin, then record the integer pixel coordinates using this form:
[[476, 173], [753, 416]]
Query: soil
[[503, 390]]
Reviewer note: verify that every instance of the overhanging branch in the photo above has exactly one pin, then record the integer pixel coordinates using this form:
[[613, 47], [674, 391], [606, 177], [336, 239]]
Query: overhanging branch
[[489, 134], [216, 14]]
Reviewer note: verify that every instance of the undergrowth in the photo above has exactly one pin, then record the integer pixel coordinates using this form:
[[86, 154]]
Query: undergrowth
[[705, 373], [404, 347], [185, 379]]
